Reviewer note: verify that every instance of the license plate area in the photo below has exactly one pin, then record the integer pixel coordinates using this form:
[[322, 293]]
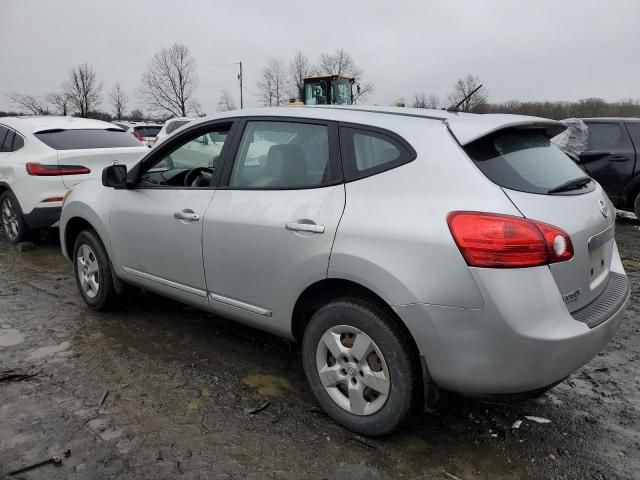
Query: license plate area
[[600, 255]]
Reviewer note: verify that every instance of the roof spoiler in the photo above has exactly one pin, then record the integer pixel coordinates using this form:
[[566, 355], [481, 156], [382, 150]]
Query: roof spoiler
[[469, 129]]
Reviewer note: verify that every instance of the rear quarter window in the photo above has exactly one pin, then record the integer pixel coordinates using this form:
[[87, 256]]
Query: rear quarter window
[[368, 152], [87, 138], [526, 161]]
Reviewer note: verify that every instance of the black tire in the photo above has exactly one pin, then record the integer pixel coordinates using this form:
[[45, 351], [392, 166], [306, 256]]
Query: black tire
[[104, 297], [13, 225], [402, 363], [636, 206]]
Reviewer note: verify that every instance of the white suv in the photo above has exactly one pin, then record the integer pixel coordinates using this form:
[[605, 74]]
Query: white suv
[[142, 131], [40, 157]]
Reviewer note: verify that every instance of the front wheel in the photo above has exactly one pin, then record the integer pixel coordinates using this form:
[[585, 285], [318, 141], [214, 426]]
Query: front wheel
[[361, 367], [13, 224], [93, 271]]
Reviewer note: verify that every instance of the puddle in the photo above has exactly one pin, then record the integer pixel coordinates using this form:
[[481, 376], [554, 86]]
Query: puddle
[[48, 351], [267, 384], [10, 337]]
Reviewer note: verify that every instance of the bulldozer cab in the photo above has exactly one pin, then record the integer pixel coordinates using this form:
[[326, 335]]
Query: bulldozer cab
[[328, 90]]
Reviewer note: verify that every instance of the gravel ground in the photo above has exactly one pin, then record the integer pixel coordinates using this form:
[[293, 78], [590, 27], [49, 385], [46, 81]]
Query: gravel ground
[[159, 390]]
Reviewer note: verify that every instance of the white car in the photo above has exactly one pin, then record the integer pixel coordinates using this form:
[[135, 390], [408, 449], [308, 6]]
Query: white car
[[41, 157], [171, 126], [142, 131]]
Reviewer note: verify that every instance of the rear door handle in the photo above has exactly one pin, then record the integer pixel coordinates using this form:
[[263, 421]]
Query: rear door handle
[[618, 158], [305, 227], [187, 216]]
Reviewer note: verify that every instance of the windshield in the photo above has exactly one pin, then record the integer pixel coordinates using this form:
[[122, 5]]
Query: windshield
[[526, 161], [341, 92], [316, 93]]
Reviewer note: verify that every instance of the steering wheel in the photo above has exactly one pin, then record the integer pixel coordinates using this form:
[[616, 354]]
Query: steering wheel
[[198, 177]]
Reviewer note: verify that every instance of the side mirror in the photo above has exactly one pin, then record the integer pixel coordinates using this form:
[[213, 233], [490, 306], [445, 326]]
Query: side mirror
[[115, 176]]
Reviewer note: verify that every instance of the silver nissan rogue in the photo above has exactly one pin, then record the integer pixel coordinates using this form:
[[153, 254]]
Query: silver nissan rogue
[[407, 250]]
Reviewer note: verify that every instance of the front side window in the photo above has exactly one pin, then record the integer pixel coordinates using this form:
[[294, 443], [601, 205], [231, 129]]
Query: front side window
[[281, 155], [192, 164], [86, 138]]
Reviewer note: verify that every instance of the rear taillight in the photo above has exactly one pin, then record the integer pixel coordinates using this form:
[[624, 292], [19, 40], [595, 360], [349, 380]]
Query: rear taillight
[[138, 136], [503, 241], [39, 170]]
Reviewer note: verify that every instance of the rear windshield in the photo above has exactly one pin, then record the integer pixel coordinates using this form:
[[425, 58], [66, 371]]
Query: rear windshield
[[173, 126], [148, 131], [523, 160], [87, 138]]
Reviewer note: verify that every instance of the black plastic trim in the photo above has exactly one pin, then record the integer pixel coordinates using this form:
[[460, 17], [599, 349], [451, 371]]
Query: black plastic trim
[[607, 303], [42, 217]]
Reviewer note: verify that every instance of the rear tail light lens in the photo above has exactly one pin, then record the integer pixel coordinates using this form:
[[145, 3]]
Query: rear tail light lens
[[39, 170], [503, 241], [138, 136]]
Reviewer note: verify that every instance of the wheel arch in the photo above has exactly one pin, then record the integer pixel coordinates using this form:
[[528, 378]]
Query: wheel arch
[[73, 227], [323, 291]]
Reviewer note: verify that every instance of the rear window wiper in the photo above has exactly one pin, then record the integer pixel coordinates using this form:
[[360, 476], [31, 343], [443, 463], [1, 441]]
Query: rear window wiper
[[574, 184]]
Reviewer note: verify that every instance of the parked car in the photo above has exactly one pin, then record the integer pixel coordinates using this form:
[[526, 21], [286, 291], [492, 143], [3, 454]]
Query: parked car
[[408, 250], [143, 131], [43, 156], [171, 126], [612, 158]]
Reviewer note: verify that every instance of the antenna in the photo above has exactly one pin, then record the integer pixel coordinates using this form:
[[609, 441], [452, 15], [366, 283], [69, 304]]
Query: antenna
[[455, 109]]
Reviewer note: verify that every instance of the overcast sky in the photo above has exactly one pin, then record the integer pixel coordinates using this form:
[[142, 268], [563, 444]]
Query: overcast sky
[[526, 50]]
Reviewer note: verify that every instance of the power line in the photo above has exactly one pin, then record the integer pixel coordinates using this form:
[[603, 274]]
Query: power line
[[67, 62]]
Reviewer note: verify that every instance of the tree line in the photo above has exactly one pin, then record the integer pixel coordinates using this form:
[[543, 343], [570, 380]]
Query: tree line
[[167, 90]]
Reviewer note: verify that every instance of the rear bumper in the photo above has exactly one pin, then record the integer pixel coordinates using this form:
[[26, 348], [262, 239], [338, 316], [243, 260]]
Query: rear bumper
[[42, 217], [523, 339]]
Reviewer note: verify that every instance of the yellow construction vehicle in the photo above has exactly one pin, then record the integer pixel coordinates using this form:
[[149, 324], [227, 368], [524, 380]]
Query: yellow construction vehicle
[[328, 90]]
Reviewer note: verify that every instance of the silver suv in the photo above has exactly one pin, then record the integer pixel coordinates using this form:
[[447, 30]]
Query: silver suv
[[407, 250]]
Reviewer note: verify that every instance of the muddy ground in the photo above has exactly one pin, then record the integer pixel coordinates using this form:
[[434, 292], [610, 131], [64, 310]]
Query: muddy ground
[[180, 385]]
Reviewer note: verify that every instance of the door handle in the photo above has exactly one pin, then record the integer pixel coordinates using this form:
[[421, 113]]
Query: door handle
[[618, 158], [187, 216], [305, 227]]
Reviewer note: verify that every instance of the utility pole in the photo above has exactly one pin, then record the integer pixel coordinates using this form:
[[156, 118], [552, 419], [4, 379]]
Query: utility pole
[[240, 78]]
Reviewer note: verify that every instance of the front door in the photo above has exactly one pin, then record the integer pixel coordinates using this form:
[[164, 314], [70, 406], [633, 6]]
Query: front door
[[156, 227], [269, 230]]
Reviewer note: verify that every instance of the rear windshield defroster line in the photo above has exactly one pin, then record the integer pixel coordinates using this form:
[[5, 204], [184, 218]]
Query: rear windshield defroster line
[[87, 138], [527, 161]]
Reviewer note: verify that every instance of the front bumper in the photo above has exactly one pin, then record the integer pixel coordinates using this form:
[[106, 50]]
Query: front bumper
[[523, 339]]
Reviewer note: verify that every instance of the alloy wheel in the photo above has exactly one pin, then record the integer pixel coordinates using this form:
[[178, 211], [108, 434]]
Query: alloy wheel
[[88, 272], [353, 370], [10, 221]]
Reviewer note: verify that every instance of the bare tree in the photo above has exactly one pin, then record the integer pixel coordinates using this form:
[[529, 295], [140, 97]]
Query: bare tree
[[420, 100], [30, 103], [298, 70], [341, 63], [136, 115], [226, 102], [462, 88], [83, 89], [272, 86], [60, 101], [170, 81], [119, 99]]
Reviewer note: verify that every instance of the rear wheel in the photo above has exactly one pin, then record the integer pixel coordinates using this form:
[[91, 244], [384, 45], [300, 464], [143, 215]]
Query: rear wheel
[[361, 367], [13, 224], [636, 205], [93, 271]]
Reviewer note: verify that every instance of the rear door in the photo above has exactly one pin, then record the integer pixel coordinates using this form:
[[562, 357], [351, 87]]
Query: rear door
[[270, 227], [610, 157], [531, 171]]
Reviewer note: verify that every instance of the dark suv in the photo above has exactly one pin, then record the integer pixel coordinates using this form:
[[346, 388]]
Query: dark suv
[[611, 159]]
